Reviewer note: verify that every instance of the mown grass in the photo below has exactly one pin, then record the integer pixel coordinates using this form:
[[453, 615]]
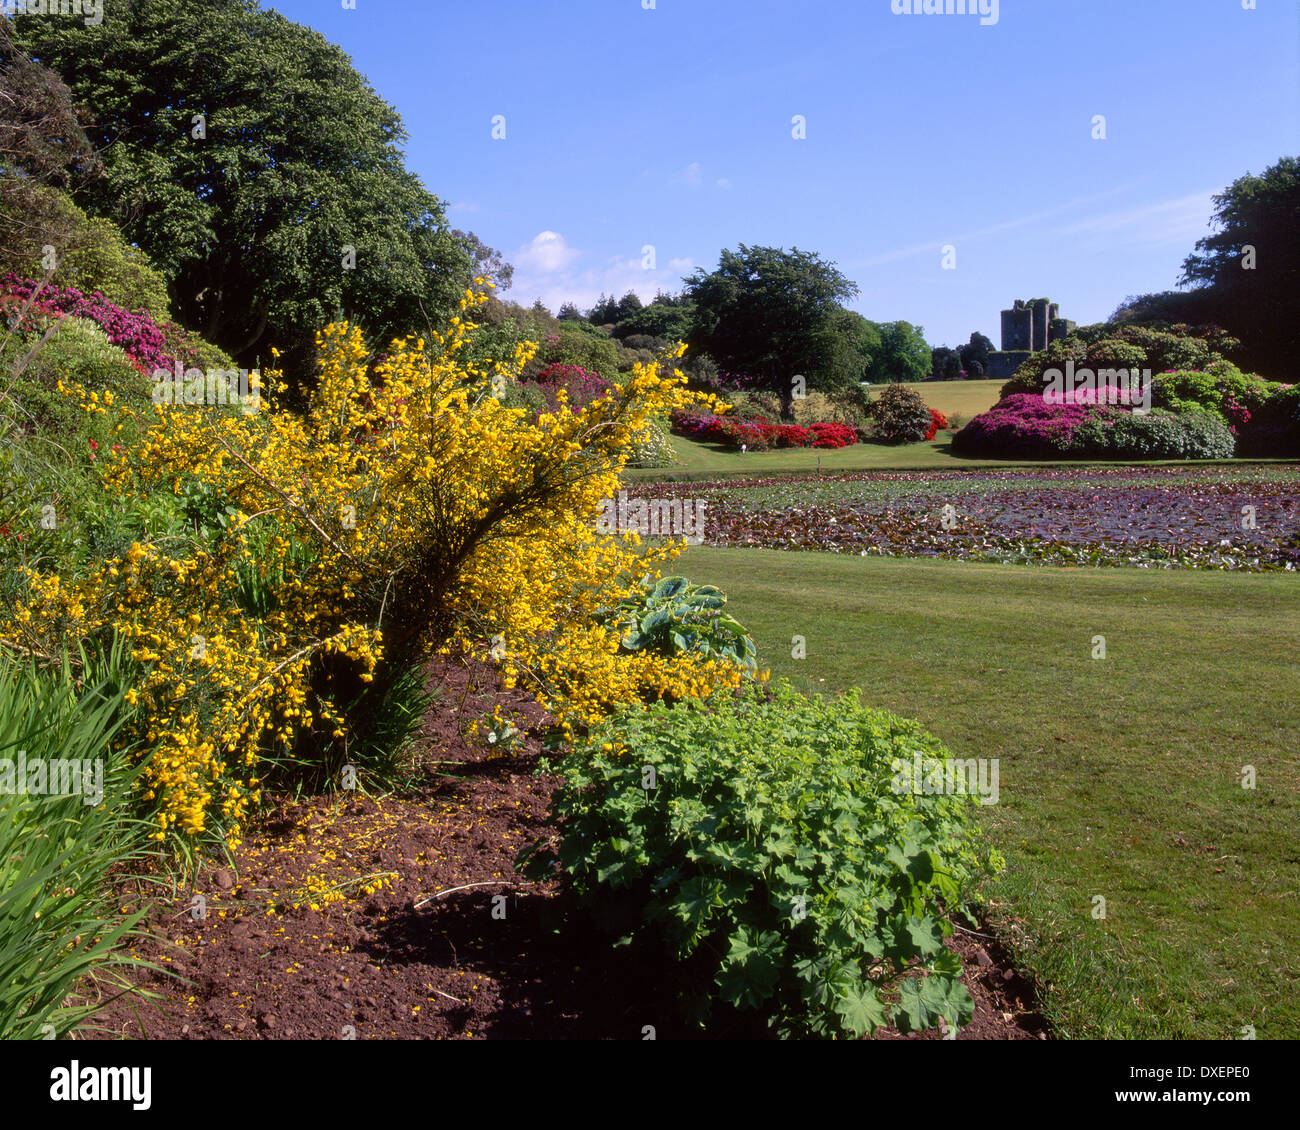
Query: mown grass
[[953, 398], [709, 461], [1120, 777]]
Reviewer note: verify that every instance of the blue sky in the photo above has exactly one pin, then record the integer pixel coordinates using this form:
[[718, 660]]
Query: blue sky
[[672, 127]]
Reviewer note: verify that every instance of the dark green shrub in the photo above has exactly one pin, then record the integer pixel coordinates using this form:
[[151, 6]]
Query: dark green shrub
[[764, 845], [1159, 434], [1108, 346], [900, 415], [647, 343], [1273, 429], [587, 350]]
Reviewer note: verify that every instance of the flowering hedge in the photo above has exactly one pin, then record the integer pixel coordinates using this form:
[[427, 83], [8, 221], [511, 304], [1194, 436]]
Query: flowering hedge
[[1025, 425], [134, 333], [1263, 415], [758, 434], [832, 435], [787, 435]]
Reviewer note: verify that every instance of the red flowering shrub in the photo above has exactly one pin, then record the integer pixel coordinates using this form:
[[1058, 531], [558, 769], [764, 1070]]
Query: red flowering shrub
[[787, 435], [937, 420], [833, 435], [736, 433], [757, 434]]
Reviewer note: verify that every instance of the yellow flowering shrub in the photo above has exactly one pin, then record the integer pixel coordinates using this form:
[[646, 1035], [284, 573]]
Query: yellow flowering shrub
[[407, 509]]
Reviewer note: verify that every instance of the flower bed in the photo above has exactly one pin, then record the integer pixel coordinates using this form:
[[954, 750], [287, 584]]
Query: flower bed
[[758, 434]]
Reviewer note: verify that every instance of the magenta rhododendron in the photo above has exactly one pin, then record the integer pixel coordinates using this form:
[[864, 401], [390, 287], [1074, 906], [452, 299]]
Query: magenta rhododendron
[[133, 333]]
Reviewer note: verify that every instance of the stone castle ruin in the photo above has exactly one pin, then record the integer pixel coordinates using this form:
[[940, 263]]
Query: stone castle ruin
[[1026, 328]]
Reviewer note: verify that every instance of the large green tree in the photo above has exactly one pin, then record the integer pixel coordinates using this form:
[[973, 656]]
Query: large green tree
[[43, 148], [1245, 276], [773, 315], [258, 170], [903, 354], [666, 318], [975, 355], [1251, 264], [854, 343]]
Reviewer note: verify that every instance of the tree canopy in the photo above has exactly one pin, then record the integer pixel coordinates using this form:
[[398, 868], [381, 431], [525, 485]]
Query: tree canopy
[[1245, 276], [773, 315], [43, 148], [903, 354], [258, 170]]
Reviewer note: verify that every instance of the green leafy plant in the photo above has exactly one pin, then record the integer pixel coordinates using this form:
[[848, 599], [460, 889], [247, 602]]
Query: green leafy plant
[[757, 843], [1211, 390], [673, 616], [1189, 434], [59, 922]]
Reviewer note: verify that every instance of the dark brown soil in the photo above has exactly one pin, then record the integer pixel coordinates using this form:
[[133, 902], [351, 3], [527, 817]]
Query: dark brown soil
[[453, 945]]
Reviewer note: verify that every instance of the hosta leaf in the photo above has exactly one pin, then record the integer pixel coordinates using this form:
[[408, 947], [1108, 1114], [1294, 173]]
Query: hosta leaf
[[670, 587], [655, 620]]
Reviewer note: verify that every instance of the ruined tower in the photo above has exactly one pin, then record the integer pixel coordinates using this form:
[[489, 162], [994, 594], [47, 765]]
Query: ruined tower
[[1026, 328]]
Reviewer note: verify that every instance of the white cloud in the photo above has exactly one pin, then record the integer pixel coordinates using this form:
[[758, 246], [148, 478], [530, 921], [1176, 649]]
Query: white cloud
[[723, 183], [467, 207], [583, 284], [691, 175], [1182, 220], [932, 247], [545, 255]]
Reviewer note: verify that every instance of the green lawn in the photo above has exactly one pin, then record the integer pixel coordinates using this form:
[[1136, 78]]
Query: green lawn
[[1119, 776], [954, 398], [708, 461], [703, 460]]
